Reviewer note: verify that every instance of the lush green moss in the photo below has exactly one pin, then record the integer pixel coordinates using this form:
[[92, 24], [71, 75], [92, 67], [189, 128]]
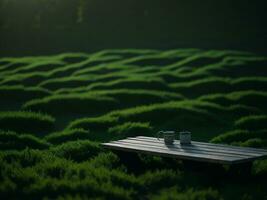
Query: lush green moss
[[129, 129], [114, 94], [12, 140], [206, 86], [26, 157], [77, 150], [183, 114], [67, 135], [108, 160], [239, 136], [19, 93], [190, 194], [26, 122], [255, 122], [72, 104], [153, 180], [253, 142], [134, 83], [250, 98], [96, 124], [260, 168], [52, 179]]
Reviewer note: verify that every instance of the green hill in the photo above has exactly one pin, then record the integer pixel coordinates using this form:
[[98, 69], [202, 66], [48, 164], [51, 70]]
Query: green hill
[[56, 110]]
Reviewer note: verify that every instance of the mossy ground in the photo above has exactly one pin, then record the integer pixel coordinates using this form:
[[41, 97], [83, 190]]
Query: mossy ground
[[56, 110]]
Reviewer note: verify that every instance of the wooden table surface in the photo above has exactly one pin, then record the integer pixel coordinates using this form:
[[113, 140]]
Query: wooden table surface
[[198, 151]]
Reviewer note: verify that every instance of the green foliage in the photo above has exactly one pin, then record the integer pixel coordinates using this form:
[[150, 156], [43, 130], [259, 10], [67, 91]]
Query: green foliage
[[26, 122], [154, 180], [72, 104], [97, 123], [66, 82], [53, 177], [77, 150], [198, 87], [134, 97], [60, 177], [252, 122], [111, 94], [253, 142], [250, 98], [239, 136], [260, 168], [11, 140], [19, 93], [67, 135], [26, 157], [183, 114], [190, 194], [133, 83], [130, 129], [108, 160]]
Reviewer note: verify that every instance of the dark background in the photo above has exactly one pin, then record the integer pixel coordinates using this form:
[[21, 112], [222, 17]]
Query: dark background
[[33, 27]]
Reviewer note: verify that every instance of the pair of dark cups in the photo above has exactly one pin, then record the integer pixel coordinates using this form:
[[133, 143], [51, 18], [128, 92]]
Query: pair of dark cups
[[169, 137]]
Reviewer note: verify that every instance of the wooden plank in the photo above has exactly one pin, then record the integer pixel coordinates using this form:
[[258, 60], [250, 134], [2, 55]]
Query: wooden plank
[[212, 144], [202, 147], [178, 147], [199, 151], [246, 149], [168, 153], [179, 150]]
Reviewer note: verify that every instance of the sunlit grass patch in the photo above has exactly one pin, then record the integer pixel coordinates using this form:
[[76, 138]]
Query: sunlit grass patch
[[162, 113], [67, 135], [26, 158], [77, 150], [108, 160], [253, 142], [252, 98], [97, 124], [66, 82], [239, 136], [178, 193], [26, 122], [213, 85], [253, 122], [113, 94], [190, 115], [41, 66], [11, 140], [203, 86], [19, 93], [133, 83], [72, 104], [138, 97], [27, 79], [153, 180], [130, 129]]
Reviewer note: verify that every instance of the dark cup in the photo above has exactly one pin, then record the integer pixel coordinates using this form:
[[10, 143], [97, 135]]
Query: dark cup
[[185, 137], [169, 136]]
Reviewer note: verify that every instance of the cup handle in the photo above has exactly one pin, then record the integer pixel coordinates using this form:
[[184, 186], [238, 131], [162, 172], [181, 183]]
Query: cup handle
[[158, 134]]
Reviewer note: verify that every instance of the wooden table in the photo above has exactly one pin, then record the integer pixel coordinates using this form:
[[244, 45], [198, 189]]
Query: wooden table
[[197, 151]]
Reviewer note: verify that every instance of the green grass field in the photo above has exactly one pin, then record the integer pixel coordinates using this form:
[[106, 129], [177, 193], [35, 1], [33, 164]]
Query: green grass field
[[56, 110]]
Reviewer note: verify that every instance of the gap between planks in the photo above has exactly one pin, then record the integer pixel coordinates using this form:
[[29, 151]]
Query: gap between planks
[[192, 148], [209, 145], [181, 155]]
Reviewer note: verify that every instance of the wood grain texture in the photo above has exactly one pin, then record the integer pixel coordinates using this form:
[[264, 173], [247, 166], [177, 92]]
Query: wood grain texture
[[198, 151]]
